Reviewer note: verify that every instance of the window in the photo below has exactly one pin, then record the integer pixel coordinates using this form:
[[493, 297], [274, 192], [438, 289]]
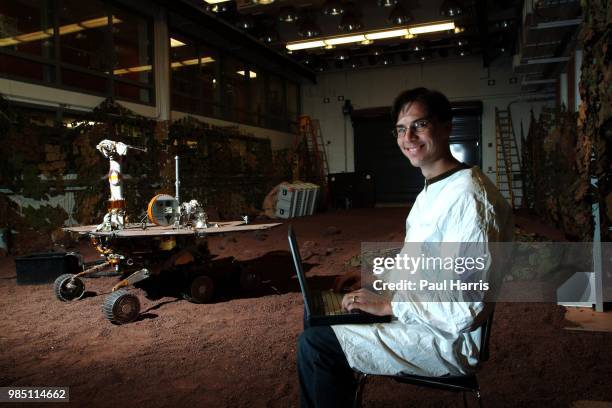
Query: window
[[26, 27], [83, 40], [257, 105], [235, 74], [88, 46], [27, 39], [133, 59], [207, 78], [193, 70]]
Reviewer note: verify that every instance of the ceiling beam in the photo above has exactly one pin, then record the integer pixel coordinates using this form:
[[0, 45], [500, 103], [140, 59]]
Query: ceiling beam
[[231, 40]]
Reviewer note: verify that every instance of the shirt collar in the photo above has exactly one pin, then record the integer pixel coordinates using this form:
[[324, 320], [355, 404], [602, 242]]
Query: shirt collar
[[461, 166]]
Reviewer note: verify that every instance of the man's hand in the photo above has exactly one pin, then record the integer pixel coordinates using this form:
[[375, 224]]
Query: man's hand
[[349, 281], [367, 301]]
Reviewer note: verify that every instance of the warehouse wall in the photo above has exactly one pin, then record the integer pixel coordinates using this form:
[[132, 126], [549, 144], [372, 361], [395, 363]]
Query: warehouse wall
[[459, 79], [44, 95]]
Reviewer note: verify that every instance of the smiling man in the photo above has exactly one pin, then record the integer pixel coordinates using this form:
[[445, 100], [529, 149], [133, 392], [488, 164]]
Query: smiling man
[[459, 204], [422, 130]]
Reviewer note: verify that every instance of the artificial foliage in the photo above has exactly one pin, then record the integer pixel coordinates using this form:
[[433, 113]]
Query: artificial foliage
[[566, 162], [220, 167], [595, 115]]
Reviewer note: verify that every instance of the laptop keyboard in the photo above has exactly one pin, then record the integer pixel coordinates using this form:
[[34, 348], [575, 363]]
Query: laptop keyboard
[[329, 303]]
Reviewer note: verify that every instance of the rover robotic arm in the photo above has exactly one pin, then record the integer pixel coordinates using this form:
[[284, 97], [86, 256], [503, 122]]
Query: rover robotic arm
[[113, 151]]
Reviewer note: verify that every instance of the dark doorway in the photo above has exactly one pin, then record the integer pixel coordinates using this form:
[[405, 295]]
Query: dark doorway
[[376, 151]]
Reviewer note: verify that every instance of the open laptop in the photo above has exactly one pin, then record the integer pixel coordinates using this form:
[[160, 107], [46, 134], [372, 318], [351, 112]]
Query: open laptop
[[324, 308]]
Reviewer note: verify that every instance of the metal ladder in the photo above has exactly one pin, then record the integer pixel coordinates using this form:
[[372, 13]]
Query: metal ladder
[[315, 160], [507, 159]]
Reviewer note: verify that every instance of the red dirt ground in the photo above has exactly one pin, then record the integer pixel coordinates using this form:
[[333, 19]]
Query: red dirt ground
[[240, 350]]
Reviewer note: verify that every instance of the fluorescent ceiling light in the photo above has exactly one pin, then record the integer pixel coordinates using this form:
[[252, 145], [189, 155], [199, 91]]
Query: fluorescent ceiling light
[[305, 45], [175, 64], [194, 61], [63, 30], [345, 40], [252, 74], [99, 22], [367, 37], [387, 34], [432, 28], [176, 43], [122, 71], [215, 1]]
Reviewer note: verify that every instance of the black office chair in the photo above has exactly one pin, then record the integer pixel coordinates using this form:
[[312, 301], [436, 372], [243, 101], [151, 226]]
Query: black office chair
[[461, 383]]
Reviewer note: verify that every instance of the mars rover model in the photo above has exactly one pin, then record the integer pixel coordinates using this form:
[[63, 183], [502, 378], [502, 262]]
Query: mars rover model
[[171, 239]]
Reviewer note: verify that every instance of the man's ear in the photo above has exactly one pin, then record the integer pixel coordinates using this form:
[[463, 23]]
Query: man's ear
[[448, 128]]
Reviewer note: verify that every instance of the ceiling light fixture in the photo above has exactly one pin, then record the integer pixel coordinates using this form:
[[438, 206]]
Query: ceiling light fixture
[[245, 22], [309, 29], [367, 37], [252, 74], [418, 46], [387, 60], [215, 1], [63, 30], [345, 40], [218, 7], [432, 28], [503, 24], [288, 15], [463, 52], [333, 8], [423, 56], [387, 3], [349, 22], [305, 45], [194, 61], [387, 34], [399, 16], [175, 64], [263, 2], [268, 36], [450, 8], [176, 43], [342, 55]]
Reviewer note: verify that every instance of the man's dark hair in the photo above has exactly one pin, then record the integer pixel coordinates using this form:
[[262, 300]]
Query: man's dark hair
[[437, 105]]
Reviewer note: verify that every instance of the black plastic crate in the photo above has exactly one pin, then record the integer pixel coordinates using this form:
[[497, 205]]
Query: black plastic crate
[[43, 268]]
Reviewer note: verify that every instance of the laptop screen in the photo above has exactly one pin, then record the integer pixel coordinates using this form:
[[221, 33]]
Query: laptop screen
[[297, 263]]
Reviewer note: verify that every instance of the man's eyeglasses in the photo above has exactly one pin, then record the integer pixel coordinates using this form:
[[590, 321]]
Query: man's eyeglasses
[[417, 127]]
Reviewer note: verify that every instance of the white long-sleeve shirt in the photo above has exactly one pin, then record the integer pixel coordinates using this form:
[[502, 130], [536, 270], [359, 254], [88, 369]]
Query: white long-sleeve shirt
[[434, 338]]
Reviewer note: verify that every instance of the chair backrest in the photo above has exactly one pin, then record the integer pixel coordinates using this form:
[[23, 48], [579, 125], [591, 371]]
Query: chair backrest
[[486, 335]]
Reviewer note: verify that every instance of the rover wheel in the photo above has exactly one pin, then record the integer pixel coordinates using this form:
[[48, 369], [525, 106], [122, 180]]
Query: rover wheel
[[67, 287], [200, 289], [121, 307]]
